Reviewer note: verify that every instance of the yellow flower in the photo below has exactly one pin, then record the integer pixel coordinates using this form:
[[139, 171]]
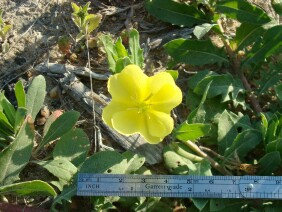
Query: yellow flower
[[142, 104]]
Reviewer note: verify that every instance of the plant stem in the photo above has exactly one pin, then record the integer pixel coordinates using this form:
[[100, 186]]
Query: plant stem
[[214, 164], [253, 99], [212, 152], [236, 66], [184, 153]]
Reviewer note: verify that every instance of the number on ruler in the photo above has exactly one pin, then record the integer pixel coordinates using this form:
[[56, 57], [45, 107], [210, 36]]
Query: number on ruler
[[248, 189]]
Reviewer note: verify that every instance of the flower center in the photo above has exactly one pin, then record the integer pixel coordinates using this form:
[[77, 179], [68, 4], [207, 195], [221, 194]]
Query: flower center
[[143, 107]]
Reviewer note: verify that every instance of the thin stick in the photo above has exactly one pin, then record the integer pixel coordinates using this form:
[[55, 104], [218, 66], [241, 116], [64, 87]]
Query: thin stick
[[96, 147]]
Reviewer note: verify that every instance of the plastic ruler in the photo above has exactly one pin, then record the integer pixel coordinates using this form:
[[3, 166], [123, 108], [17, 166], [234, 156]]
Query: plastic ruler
[[257, 187]]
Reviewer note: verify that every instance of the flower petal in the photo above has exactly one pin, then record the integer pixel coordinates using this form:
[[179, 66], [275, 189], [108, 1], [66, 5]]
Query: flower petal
[[159, 124], [158, 80], [110, 110], [128, 85], [153, 126], [165, 93], [142, 104], [128, 122]]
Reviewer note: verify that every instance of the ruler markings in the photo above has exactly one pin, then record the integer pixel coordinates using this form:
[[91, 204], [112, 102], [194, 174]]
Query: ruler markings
[[180, 186]]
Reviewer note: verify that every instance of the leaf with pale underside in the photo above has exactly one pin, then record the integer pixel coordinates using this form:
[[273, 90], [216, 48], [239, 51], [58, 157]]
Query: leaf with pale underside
[[176, 13], [195, 52]]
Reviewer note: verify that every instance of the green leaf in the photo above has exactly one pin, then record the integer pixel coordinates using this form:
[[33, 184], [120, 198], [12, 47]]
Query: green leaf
[[195, 79], [229, 126], [175, 12], [75, 8], [277, 6], [195, 52], [229, 88], [112, 55], [208, 112], [269, 80], [2, 96], [5, 124], [92, 21], [240, 147], [19, 117], [199, 113], [5, 137], [28, 188], [246, 34], [5, 30], [72, 146], [273, 129], [203, 168], [173, 73], [53, 117], [109, 162], [15, 157], [67, 193], [278, 90], [136, 55], [192, 132], [271, 43], [122, 63], [269, 163], [63, 169], [224, 85], [134, 162], [20, 94], [9, 110], [275, 145], [35, 96], [249, 33], [201, 30], [200, 203], [120, 49], [61, 126], [264, 126], [85, 8], [77, 21], [242, 11], [79, 36], [175, 163]]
